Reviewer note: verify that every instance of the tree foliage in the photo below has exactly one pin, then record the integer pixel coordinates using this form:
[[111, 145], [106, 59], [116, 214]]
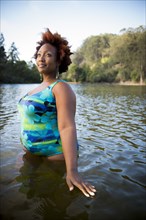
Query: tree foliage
[[111, 58], [14, 70], [13, 54], [101, 58]]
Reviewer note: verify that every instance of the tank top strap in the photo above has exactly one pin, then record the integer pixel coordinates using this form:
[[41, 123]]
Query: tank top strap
[[53, 84]]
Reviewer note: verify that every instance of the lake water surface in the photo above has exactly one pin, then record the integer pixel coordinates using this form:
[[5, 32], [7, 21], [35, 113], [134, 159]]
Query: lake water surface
[[111, 126]]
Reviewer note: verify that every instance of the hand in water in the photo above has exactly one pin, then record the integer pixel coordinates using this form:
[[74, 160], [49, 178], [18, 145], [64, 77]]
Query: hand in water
[[74, 179]]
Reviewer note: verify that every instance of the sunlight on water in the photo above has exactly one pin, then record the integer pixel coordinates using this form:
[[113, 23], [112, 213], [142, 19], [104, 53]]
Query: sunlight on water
[[111, 126]]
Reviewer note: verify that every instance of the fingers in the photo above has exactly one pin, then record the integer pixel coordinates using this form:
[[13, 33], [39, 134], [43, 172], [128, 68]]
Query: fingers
[[87, 189], [75, 180], [70, 185]]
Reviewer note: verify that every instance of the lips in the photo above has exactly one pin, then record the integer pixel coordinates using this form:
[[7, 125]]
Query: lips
[[42, 65]]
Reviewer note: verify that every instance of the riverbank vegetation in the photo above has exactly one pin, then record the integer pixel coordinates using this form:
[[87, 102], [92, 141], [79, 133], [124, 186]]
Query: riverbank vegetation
[[14, 70], [102, 58]]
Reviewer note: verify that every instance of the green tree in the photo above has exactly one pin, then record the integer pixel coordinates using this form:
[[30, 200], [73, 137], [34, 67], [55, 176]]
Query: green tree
[[101, 58], [3, 57], [72, 76], [140, 56], [13, 53], [128, 54]]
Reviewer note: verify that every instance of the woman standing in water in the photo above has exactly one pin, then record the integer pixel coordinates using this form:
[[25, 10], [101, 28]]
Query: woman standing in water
[[48, 112]]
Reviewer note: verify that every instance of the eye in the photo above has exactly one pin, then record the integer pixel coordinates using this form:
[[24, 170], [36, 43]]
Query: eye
[[38, 55], [48, 54]]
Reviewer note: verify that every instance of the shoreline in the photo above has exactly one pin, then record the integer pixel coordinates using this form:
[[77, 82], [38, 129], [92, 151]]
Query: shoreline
[[128, 83]]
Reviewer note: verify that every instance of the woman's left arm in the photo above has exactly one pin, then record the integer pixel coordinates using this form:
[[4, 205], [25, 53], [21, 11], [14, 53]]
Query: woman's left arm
[[66, 108]]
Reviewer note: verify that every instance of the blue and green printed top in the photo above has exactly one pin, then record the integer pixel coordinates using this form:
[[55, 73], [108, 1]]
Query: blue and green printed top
[[39, 127]]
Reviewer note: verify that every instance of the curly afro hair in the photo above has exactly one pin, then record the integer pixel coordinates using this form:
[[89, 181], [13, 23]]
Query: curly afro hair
[[61, 44]]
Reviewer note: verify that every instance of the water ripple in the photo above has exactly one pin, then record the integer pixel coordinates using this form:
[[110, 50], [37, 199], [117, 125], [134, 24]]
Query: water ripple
[[111, 127]]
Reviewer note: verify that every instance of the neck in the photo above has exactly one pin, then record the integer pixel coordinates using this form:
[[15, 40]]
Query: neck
[[48, 78]]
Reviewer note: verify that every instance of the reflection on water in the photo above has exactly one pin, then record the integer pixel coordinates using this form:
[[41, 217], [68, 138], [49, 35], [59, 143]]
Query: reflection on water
[[44, 181], [111, 125]]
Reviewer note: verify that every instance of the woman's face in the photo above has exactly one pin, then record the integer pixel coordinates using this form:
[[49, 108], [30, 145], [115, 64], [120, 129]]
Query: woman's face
[[47, 59]]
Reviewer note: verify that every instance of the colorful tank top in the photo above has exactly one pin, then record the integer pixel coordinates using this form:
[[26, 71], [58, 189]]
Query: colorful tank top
[[39, 127]]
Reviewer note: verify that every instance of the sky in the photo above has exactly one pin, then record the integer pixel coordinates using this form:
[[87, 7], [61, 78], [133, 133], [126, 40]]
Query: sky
[[23, 21]]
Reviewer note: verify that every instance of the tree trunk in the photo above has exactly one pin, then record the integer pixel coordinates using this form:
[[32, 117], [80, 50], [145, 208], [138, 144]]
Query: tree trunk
[[141, 77]]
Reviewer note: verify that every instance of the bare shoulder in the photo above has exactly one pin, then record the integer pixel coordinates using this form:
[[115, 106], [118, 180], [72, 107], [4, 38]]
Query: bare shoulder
[[63, 89]]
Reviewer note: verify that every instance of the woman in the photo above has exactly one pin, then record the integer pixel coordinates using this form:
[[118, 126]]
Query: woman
[[48, 112]]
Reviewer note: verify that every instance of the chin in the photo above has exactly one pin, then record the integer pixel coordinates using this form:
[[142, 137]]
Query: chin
[[42, 71]]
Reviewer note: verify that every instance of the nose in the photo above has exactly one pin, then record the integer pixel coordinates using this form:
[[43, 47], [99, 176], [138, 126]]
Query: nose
[[42, 58]]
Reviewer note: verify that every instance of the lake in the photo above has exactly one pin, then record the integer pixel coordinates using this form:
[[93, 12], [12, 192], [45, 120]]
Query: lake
[[111, 127]]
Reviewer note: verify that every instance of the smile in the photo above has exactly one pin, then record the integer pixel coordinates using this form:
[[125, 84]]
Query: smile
[[42, 66]]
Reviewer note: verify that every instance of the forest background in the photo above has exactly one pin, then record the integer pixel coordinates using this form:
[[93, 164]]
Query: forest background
[[104, 58]]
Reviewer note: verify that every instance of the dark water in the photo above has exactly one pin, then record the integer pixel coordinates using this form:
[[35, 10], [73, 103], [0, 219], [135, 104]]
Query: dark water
[[111, 125]]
